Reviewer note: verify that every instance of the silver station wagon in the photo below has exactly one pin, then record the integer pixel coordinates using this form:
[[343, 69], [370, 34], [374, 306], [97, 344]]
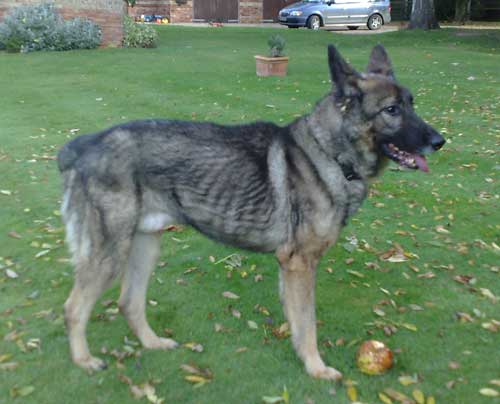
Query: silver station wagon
[[353, 14]]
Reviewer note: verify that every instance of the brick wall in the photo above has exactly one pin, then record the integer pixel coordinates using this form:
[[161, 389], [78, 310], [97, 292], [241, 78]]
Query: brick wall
[[107, 13], [181, 12], [150, 7], [251, 11]]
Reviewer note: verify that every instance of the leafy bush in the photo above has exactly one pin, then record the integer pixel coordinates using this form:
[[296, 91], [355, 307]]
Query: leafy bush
[[276, 45], [30, 28], [138, 35], [80, 33]]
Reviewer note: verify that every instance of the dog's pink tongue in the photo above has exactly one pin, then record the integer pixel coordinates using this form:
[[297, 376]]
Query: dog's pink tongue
[[421, 163]]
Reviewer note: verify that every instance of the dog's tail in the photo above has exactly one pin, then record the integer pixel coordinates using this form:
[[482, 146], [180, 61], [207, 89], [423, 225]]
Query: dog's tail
[[72, 150], [75, 209]]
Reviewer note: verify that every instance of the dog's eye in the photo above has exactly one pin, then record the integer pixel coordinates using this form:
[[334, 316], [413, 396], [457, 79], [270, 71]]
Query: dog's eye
[[393, 110]]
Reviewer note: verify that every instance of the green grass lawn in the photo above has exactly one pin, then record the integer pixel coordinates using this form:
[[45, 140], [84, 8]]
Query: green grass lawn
[[438, 306]]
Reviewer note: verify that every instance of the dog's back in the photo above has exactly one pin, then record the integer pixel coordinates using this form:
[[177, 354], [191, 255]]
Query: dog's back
[[226, 181]]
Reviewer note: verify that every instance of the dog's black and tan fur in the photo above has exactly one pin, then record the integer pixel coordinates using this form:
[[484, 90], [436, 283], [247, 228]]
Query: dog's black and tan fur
[[287, 190]]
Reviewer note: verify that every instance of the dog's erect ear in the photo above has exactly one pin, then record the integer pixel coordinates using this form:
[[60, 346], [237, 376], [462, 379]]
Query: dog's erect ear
[[380, 62], [343, 75]]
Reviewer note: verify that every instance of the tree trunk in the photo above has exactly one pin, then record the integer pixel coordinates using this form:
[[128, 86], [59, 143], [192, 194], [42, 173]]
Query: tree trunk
[[462, 11], [423, 15]]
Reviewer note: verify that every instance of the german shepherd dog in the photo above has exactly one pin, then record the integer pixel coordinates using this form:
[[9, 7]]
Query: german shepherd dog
[[259, 186]]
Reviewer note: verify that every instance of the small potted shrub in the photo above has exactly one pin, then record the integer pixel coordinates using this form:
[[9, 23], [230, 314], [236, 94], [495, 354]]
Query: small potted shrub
[[276, 64]]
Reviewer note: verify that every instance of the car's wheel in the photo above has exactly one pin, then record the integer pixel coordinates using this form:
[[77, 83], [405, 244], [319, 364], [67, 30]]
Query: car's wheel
[[352, 27], [375, 21], [314, 22]]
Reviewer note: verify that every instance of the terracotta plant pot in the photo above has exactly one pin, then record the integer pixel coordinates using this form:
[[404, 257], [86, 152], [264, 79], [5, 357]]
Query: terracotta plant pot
[[267, 66]]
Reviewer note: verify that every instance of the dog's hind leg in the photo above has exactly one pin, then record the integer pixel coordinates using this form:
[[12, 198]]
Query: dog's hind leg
[[297, 287], [94, 273], [143, 256], [90, 283], [99, 237]]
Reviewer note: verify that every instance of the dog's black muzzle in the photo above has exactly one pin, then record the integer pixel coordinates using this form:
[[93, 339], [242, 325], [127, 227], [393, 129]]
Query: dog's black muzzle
[[436, 140]]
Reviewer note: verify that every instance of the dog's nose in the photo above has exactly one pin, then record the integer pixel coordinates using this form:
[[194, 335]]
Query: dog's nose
[[437, 141]]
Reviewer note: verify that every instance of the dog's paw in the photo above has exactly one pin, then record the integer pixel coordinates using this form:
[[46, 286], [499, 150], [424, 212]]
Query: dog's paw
[[160, 343], [326, 373], [91, 364]]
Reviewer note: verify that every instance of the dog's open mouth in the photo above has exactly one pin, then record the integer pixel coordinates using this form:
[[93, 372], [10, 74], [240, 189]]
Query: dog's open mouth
[[405, 159]]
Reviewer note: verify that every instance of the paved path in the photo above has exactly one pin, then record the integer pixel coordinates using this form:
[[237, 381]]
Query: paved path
[[395, 26], [486, 26], [361, 30]]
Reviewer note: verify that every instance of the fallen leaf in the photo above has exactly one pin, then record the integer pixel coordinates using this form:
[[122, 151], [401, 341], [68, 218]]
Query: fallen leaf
[[427, 275], [355, 273], [489, 392], [492, 325], [195, 379], [385, 399], [488, 294], [352, 393], [464, 279], [11, 274], [198, 376], [407, 380], [9, 366], [440, 229], [283, 331], [418, 396], [190, 368], [42, 253], [193, 346], [252, 325], [464, 317], [408, 326], [33, 343], [272, 400], [21, 391], [136, 392], [230, 295], [396, 395], [145, 390]]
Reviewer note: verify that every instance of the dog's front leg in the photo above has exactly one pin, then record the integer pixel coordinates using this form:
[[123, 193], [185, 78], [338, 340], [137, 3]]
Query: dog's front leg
[[297, 287]]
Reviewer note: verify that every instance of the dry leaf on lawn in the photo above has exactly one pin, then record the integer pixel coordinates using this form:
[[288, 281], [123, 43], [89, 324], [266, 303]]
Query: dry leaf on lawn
[[230, 295]]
